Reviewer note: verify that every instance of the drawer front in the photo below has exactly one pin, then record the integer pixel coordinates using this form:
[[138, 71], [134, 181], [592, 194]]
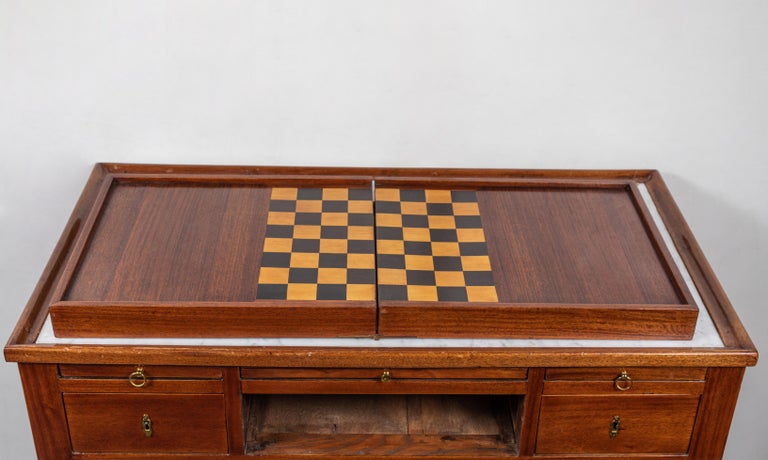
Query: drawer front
[[640, 424], [376, 373], [151, 371], [112, 423], [636, 373], [626, 381]]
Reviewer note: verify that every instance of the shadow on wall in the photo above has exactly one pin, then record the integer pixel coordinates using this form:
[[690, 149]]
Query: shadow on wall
[[735, 244]]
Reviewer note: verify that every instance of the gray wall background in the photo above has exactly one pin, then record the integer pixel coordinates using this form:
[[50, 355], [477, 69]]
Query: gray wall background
[[676, 85]]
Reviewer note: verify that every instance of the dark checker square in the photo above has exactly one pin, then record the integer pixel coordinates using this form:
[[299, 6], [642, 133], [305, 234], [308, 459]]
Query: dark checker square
[[335, 206], [478, 278], [420, 277], [451, 294], [333, 261], [360, 220], [389, 233], [463, 196], [360, 194], [412, 195], [272, 291], [441, 235], [331, 292], [282, 205], [473, 249], [276, 259], [279, 231], [301, 245], [440, 209], [361, 276], [308, 218], [468, 222], [302, 275], [333, 232], [418, 248], [388, 207], [415, 221], [391, 261], [309, 194], [447, 263], [361, 247], [388, 292]]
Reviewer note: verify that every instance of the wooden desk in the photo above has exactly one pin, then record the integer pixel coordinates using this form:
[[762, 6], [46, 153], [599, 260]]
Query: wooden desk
[[201, 312]]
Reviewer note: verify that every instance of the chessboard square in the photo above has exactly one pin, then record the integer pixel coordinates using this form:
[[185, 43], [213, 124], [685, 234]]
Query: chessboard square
[[418, 248], [282, 205], [333, 246], [442, 222], [301, 292], [410, 195], [443, 235], [439, 209], [305, 245], [478, 278], [438, 196], [449, 278], [451, 294], [463, 196], [331, 292], [416, 234], [466, 209], [482, 294], [390, 261], [309, 206], [360, 207], [278, 244], [302, 275], [392, 276], [389, 220], [389, 233], [335, 206], [335, 194], [305, 260], [272, 291], [360, 233], [276, 259], [447, 264], [360, 220], [309, 194], [273, 275], [307, 218], [420, 277], [279, 231], [332, 260], [446, 249], [473, 249], [387, 194], [390, 247], [414, 208], [361, 276], [468, 222], [414, 221], [470, 235], [476, 263], [360, 246], [333, 232], [419, 262], [331, 276], [387, 207], [306, 232], [360, 194], [334, 218], [361, 292], [422, 293], [387, 292], [281, 218], [284, 193], [361, 261]]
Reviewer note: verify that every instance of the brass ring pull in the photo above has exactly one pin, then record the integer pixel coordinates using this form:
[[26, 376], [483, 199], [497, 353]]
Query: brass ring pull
[[623, 382], [138, 378], [386, 377]]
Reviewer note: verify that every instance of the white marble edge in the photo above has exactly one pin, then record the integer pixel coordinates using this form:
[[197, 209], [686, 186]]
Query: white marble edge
[[705, 336]]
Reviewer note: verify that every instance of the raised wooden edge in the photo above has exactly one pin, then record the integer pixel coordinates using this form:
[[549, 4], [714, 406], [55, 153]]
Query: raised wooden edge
[[545, 321], [212, 319]]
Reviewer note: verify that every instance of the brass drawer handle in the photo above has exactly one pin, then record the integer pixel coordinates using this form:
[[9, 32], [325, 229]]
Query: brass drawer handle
[[386, 377], [146, 425], [138, 379], [615, 426], [623, 382]]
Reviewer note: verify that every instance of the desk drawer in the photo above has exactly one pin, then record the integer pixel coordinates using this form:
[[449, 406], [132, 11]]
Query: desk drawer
[[641, 424], [624, 381], [132, 423]]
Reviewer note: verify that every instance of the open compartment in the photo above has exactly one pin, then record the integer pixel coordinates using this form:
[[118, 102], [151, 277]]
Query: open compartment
[[405, 425]]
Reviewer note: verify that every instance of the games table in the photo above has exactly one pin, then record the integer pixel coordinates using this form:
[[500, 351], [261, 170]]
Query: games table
[[221, 311]]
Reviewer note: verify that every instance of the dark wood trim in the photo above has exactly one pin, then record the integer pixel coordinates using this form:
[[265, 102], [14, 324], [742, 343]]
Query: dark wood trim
[[530, 422], [233, 401], [716, 412], [46, 411]]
